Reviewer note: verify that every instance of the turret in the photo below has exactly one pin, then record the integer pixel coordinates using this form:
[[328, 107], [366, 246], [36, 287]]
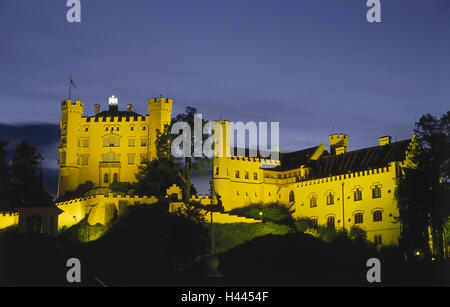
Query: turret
[[159, 113], [71, 113], [338, 143]]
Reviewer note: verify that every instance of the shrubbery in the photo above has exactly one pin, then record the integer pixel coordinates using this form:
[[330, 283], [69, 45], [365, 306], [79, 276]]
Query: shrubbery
[[228, 236], [273, 212]]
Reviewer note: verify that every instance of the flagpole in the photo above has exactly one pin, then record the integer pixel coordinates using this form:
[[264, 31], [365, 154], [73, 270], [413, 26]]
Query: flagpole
[[70, 88]]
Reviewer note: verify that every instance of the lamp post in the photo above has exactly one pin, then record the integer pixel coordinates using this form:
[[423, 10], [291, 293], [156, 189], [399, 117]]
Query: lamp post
[[212, 262]]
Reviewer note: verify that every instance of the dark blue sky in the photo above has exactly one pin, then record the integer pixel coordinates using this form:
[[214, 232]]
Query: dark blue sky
[[316, 66]]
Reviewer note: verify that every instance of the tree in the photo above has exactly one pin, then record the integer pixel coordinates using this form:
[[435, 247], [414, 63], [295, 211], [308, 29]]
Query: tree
[[24, 179], [187, 165], [434, 161], [155, 177], [423, 191]]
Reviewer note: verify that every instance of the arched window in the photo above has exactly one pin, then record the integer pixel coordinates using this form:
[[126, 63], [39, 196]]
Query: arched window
[[105, 178], [331, 222], [115, 177], [377, 216], [358, 218], [330, 199], [34, 224], [291, 197]]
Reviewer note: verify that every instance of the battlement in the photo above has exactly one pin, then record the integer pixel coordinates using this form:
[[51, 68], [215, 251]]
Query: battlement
[[72, 106], [115, 118], [155, 101]]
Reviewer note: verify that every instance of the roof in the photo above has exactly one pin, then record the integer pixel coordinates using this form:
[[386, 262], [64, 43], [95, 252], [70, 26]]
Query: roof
[[111, 113], [294, 159], [358, 160]]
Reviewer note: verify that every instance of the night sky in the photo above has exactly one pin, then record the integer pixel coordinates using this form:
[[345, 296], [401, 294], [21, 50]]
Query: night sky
[[316, 66]]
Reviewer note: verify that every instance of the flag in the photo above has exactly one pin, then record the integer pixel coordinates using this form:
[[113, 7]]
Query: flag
[[72, 83]]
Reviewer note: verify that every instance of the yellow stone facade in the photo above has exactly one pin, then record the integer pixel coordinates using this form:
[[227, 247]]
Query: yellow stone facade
[[107, 146], [362, 195]]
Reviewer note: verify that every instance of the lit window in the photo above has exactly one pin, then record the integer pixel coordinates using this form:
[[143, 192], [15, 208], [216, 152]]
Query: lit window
[[143, 158], [131, 142], [85, 143], [358, 218], [143, 142]]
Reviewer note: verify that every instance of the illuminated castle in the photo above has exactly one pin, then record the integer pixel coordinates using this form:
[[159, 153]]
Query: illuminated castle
[[108, 146], [333, 187], [337, 188]]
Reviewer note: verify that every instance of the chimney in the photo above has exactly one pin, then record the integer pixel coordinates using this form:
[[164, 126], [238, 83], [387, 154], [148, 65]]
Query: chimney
[[337, 141], [129, 107], [384, 140], [97, 109]]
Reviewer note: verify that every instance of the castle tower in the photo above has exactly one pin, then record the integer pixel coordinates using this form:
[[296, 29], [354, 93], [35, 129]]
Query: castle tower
[[221, 159], [69, 167], [338, 143], [159, 113]]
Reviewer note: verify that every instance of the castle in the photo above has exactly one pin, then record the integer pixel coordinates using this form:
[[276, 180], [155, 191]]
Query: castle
[[329, 186], [108, 146], [337, 188]]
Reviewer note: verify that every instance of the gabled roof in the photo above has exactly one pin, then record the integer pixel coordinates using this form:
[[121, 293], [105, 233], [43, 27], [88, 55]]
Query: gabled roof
[[292, 160], [358, 160]]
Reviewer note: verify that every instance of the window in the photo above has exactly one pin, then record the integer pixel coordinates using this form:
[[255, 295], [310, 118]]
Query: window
[[255, 176], [131, 142], [237, 175], [105, 178], [132, 128], [217, 170], [86, 129], [84, 160], [63, 158], [376, 192], [377, 240], [131, 159], [313, 223], [143, 128], [358, 218], [34, 224], [111, 157], [331, 222], [111, 142], [115, 177], [246, 175], [86, 143], [143, 142], [291, 197], [357, 194], [313, 201], [330, 199], [377, 216], [143, 158]]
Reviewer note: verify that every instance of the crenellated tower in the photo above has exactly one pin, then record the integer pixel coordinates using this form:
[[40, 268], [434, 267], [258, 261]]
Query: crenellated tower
[[159, 113], [71, 114]]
